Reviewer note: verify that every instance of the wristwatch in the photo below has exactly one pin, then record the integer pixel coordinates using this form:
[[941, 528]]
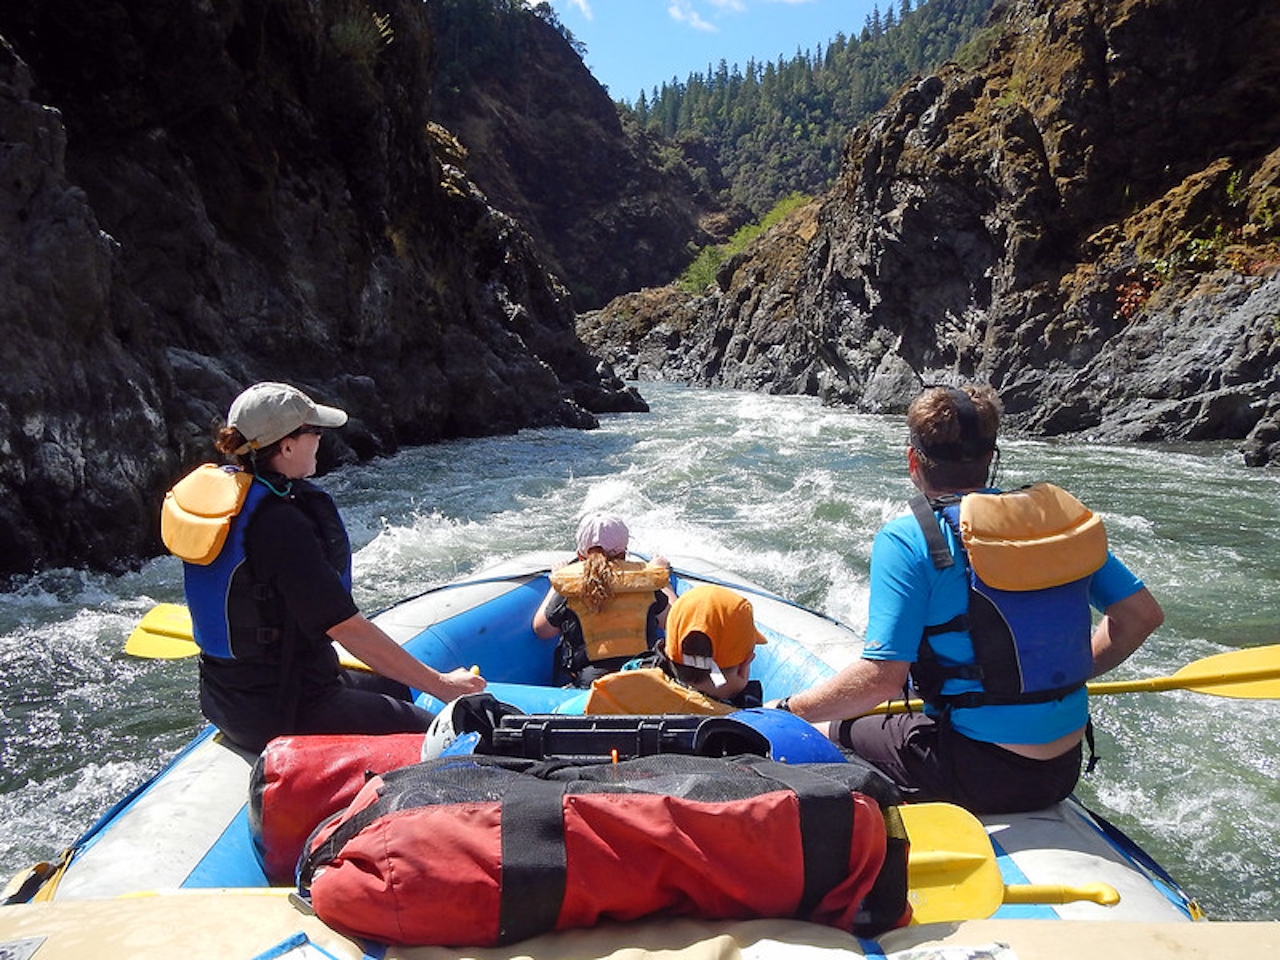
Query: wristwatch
[[784, 704]]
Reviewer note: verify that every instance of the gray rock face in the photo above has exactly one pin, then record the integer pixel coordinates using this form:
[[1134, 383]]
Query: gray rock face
[[1091, 222], [194, 197], [607, 213]]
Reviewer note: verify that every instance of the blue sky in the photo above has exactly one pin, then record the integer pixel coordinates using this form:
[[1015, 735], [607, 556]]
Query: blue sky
[[635, 45]]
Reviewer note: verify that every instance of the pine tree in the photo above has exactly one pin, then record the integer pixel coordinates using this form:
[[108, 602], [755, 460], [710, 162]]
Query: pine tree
[[777, 127]]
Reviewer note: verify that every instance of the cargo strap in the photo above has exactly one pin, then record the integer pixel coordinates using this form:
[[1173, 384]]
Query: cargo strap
[[826, 830], [534, 865], [533, 847]]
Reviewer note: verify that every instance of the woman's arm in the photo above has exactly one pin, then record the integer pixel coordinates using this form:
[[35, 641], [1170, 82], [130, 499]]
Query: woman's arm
[[857, 688], [669, 590], [383, 655]]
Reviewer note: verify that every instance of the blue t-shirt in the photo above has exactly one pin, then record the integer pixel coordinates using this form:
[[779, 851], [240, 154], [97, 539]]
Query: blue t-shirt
[[908, 593]]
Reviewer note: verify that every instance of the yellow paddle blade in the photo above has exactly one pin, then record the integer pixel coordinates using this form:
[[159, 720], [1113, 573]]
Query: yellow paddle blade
[[1251, 674], [164, 633], [168, 619], [952, 872]]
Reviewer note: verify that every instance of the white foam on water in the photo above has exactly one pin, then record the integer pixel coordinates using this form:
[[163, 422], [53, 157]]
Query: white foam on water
[[781, 490]]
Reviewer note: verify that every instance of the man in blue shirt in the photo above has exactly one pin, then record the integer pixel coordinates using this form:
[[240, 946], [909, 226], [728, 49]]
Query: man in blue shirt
[[1002, 672]]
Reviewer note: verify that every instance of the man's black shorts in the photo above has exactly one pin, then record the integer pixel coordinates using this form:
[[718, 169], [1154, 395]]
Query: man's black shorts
[[930, 761]]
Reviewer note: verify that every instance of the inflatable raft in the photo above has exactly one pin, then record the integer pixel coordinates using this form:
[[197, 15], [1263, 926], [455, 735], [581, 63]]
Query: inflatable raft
[[172, 868]]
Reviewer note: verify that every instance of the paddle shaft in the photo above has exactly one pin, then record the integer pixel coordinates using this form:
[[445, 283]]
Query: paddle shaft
[[1252, 674], [1100, 893]]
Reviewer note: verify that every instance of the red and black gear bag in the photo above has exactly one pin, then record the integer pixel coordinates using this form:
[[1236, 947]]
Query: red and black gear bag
[[300, 780], [484, 850]]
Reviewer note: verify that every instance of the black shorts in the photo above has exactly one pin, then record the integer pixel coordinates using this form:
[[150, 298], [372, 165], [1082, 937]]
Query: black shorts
[[930, 761], [358, 703], [365, 703]]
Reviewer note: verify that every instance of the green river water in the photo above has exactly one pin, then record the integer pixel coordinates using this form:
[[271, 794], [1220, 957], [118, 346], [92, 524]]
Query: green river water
[[781, 490]]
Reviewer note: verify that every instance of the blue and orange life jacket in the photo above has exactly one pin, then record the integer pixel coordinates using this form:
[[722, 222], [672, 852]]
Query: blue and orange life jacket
[[1030, 554], [204, 521]]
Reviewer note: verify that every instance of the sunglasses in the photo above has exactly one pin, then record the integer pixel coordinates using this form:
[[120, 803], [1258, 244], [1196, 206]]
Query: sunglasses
[[307, 429]]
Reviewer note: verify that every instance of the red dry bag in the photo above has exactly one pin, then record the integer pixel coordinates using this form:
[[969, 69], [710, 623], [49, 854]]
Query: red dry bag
[[484, 850], [300, 781]]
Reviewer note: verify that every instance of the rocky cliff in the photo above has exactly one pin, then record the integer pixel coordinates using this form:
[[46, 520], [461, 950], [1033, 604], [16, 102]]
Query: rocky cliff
[[197, 196], [609, 209], [1091, 222]]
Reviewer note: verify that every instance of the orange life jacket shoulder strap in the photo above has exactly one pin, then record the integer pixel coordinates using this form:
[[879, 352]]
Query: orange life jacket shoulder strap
[[197, 513]]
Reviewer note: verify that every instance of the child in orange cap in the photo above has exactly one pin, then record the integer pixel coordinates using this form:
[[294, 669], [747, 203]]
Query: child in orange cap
[[703, 665], [711, 641]]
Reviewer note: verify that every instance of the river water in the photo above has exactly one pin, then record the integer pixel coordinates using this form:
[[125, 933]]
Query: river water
[[779, 489]]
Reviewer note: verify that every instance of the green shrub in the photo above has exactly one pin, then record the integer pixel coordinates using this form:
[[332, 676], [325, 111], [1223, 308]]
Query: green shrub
[[702, 272], [708, 261], [359, 34]]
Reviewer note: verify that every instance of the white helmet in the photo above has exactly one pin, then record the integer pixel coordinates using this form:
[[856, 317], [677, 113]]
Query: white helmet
[[472, 713]]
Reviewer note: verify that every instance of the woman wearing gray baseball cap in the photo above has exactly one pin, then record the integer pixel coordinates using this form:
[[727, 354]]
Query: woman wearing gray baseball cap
[[267, 576]]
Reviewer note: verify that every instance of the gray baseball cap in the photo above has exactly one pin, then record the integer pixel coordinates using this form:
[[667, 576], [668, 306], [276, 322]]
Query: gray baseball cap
[[269, 411]]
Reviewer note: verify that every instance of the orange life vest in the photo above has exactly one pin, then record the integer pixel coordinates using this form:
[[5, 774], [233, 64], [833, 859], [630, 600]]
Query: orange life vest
[[1031, 539], [648, 690], [618, 629]]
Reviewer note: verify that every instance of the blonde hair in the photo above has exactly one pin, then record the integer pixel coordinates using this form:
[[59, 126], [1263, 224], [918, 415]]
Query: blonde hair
[[597, 579]]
